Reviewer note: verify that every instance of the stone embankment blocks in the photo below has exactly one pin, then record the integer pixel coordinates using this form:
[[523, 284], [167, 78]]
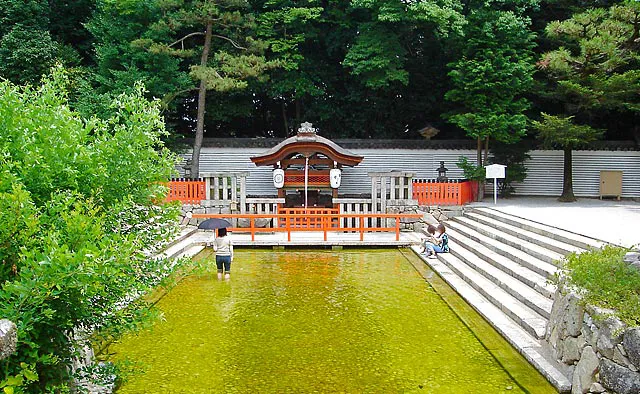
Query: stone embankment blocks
[[8, 338], [507, 263], [602, 351]]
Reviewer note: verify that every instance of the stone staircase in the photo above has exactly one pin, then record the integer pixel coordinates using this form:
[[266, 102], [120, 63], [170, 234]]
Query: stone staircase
[[501, 265]]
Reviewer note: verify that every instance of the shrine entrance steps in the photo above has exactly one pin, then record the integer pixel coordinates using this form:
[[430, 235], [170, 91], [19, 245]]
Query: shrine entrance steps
[[502, 266]]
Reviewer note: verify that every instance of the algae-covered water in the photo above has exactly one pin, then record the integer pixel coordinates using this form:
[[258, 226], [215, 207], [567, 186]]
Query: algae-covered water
[[353, 321]]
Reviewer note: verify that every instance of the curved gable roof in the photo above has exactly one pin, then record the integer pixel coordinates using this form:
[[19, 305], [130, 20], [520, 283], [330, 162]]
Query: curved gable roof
[[307, 142]]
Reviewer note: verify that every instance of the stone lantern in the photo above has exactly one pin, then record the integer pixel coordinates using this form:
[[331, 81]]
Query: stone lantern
[[442, 173]]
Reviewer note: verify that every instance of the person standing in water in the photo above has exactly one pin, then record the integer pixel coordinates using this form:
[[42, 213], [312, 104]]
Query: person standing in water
[[223, 247]]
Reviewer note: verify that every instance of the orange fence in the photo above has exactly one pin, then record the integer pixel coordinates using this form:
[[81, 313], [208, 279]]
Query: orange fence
[[308, 217], [428, 192], [188, 192], [326, 222]]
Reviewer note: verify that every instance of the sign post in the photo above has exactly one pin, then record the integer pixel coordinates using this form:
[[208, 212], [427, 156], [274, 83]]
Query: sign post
[[495, 171]]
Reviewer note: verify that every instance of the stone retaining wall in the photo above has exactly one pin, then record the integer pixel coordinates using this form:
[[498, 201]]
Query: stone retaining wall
[[600, 350], [430, 214], [187, 210]]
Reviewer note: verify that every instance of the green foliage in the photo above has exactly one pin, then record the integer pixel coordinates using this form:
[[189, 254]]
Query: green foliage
[[77, 215], [471, 170], [560, 131], [378, 54], [378, 57], [14, 384], [27, 54], [608, 281], [121, 63], [36, 34], [94, 157], [594, 70], [492, 74]]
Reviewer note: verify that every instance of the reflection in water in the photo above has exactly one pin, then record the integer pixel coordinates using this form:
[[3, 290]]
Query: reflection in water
[[310, 321]]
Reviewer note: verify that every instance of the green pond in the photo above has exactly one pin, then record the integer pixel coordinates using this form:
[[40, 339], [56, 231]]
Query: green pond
[[314, 321]]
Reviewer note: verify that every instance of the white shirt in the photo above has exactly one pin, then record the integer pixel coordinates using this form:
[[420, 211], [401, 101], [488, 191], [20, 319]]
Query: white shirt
[[223, 246]]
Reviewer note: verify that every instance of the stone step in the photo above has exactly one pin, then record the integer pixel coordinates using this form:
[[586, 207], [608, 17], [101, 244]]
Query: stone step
[[541, 267], [521, 291], [565, 236], [524, 316], [521, 340], [532, 249], [525, 275], [197, 238], [539, 239], [184, 233]]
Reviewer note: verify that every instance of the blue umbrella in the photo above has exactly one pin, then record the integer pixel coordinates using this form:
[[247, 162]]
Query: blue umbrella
[[214, 223]]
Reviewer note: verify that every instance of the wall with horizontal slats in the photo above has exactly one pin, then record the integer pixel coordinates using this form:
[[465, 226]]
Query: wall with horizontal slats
[[544, 169], [545, 172]]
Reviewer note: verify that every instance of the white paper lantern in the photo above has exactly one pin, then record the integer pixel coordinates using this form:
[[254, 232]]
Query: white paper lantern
[[335, 177], [278, 178]]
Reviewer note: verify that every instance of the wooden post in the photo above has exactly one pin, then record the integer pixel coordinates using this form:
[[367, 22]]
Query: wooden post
[[216, 188], [397, 228], [392, 187], [243, 194], [225, 188], [361, 228], [234, 188], [324, 225], [383, 198], [252, 228], [374, 194]]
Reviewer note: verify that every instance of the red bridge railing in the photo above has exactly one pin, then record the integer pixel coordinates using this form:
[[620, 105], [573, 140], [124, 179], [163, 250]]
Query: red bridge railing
[[308, 223], [186, 191], [430, 192]]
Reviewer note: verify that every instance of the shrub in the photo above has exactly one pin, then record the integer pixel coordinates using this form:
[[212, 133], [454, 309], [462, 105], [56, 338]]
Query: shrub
[[76, 215], [607, 281]]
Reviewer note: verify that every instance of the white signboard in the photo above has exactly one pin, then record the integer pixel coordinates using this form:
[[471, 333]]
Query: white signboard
[[495, 171]]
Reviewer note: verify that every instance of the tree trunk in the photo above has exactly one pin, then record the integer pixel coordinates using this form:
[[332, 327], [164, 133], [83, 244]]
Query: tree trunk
[[567, 184], [202, 101], [298, 112], [486, 150], [284, 119], [480, 195]]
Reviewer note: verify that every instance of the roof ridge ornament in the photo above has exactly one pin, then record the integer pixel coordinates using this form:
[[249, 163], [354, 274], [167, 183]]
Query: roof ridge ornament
[[306, 131]]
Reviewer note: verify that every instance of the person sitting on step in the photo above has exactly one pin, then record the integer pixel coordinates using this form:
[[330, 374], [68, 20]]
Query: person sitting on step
[[438, 243], [431, 231]]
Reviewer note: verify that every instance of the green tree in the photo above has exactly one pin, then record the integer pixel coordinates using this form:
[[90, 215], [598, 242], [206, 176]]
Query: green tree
[[77, 212], [119, 64], [594, 73], [285, 27], [224, 66], [596, 69], [490, 78], [559, 131], [36, 34]]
